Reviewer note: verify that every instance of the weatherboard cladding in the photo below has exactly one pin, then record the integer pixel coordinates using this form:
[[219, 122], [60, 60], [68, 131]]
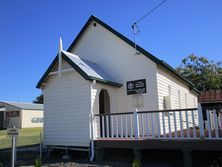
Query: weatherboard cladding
[[66, 109], [140, 49], [164, 79], [118, 58]]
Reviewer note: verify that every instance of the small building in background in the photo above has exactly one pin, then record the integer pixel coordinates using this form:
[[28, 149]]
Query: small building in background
[[211, 100], [20, 114]]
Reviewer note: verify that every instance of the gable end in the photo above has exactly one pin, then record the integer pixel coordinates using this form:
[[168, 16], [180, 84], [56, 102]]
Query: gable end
[[131, 43]]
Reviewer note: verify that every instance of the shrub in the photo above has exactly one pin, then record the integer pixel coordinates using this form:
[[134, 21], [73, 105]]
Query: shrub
[[38, 162], [136, 163]]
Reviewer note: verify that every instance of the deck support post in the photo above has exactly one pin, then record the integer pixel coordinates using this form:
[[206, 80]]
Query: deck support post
[[187, 158], [136, 124], [99, 154], [200, 118], [48, 152], [66, 156], [137, 154]]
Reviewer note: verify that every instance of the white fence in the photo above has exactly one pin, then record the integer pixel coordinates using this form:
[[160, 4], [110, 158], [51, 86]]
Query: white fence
[[165, 124]]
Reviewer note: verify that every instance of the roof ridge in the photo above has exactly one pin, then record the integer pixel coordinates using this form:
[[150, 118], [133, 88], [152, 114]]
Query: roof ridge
[[19, 102], [24, 105], [72, 54]]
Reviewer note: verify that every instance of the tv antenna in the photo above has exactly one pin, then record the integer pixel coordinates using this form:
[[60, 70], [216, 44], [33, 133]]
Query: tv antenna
[[135, 26]]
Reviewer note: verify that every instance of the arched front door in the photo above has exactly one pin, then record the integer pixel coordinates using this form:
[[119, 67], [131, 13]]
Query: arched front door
[[104, 108]]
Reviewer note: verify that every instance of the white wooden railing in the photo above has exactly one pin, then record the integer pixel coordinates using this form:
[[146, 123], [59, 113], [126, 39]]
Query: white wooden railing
[[165, 124]]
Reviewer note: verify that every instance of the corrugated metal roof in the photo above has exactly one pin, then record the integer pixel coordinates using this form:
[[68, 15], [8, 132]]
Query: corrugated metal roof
[[27, 106], [90, 68]]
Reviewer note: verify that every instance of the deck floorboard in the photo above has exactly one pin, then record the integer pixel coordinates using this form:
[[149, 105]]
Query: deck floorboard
[[149, 142]]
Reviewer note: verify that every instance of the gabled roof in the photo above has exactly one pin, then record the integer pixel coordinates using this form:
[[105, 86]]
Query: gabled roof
[[24, 106], [129, 42], [85, 68], [88, 69]]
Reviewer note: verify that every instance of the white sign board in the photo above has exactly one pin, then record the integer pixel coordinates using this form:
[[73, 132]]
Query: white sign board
[[2, 109], [12, 132]]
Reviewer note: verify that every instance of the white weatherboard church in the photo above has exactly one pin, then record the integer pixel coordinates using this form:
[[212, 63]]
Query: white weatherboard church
[[101, 73]]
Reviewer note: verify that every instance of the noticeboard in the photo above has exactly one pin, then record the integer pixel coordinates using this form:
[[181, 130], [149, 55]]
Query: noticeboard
[[136, 87]]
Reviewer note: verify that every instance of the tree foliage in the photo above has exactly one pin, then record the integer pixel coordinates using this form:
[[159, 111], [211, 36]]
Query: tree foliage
[[39, 99], [204, 74]]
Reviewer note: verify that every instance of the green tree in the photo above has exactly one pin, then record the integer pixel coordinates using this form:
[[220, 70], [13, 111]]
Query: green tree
[[39, 99], [204, 74]]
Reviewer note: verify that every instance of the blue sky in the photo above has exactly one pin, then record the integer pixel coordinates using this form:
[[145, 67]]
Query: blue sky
[[30, 31]]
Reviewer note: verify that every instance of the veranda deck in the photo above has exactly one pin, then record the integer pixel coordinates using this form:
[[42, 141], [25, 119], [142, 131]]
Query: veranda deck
[[154, 144], [182, 129], [173, 136]]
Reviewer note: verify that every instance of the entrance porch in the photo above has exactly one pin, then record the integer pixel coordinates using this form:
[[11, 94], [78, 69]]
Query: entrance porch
[[178, 124], [180, 129]]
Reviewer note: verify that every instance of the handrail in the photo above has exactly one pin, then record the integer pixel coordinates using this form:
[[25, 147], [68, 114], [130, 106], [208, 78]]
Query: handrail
[[171, 110], [172, 124], [119, 113], [153, 111]]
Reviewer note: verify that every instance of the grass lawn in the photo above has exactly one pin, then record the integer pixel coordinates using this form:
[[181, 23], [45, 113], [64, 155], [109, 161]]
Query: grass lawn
[[27, 136]]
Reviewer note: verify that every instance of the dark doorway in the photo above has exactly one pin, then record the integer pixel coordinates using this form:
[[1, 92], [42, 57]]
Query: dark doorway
[[104, 108]]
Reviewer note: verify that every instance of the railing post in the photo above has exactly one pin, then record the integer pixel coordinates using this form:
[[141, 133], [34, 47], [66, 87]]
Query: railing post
[[209, 127], [216, 123], [91, 137], [136, 124], [40, 145], [200, 118]]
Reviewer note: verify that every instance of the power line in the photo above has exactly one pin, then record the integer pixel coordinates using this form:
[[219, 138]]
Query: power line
[[152, 10], [135, 27]]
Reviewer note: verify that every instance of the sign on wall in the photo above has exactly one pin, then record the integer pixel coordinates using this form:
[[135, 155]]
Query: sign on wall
[[37, 120], [136, 87], [12, 114]]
